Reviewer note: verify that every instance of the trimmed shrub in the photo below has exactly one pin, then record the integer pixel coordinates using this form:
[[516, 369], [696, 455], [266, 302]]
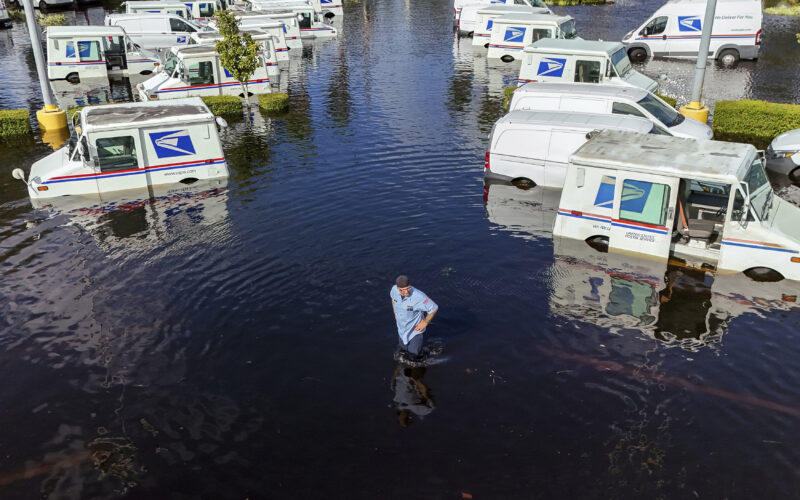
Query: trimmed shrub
[[783, 10], [14, 122], [507, 96], [276, 102], [669, 100], [753, 122], [51, 19], [17, 15], [224, 105]]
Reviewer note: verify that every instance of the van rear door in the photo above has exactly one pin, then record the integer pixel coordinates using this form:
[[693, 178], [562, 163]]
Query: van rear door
[[643, 214]]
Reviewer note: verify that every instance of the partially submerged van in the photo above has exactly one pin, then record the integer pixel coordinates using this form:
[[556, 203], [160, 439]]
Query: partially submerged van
[[269, 52], [458, 10], [586, 61], [75, 52], [610, 99], [154, 31], [306, 17], [197, 71], [157, 7], [674, 30], [485, 15], [266, 21], [131, 146], [273, 30], [707, 204], [533, 147], [513, 32]]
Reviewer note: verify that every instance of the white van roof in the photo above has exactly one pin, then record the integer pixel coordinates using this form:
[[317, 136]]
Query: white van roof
[[666, 155], [527, 17], [144, 114], [589, 121], [502, 7], [69, 31], [209, 49], [583, 89], [145, 15], [573, 46], [154, 3]]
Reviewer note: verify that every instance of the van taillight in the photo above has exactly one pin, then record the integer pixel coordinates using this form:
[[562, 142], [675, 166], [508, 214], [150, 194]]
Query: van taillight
[[486, 161], [758, 38]]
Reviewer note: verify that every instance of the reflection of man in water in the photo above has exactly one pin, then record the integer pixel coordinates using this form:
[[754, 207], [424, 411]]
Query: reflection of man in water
[[685, 303], [410, 394], [413, 311]]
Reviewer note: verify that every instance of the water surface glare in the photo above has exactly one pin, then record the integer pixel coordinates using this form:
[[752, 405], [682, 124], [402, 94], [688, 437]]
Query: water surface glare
[[235, 340]]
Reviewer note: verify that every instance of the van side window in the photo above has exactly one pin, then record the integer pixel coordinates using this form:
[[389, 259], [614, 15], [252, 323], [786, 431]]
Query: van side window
[[89, 51], [206, 9], [587, 71], [644, 202], [620, 108], [116, 153], [178, 26], [200, 72], [539, 33], [738, 208], [655, 27], [70, 50], [305, 22]]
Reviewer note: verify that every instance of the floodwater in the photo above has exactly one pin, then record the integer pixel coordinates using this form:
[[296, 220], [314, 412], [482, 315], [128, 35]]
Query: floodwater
[[235, 340]]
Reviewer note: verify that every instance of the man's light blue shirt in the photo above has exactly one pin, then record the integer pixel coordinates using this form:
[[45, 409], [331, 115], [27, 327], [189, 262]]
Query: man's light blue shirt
[[409, 311]]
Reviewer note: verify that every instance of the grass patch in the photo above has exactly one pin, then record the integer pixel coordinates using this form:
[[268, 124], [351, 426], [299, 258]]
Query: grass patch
[[17, 15], [224, 105], [669, 100], [507, 96], [51, 19], [783, 10], [753, 122], [276, 102], [15, 122]]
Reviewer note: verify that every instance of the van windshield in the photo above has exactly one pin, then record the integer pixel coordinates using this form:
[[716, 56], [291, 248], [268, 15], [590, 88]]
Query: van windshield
[[760, 190], [621, 62], [169, 66], [568, 29], [666, 115]]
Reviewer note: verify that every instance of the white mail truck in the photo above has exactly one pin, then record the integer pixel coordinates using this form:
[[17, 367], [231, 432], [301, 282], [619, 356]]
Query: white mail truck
[[155, 30], [485, 16], [511, 33]]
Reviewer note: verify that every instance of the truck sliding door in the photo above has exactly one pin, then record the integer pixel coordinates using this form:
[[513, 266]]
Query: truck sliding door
[[643, 215]]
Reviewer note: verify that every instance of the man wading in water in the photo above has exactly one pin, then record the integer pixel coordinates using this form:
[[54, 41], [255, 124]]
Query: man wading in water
[[413, 311]]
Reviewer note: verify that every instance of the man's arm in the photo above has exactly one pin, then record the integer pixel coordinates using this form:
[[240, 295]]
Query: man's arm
[[393, 311], [426, 321]]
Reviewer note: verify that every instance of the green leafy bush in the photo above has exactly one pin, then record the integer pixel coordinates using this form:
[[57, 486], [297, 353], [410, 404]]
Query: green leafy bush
[[507, 96], [14, 122], [753, 122], [275, 102], [783, 10], [17, 15], [669, 100], [224, 105], [51, 19]]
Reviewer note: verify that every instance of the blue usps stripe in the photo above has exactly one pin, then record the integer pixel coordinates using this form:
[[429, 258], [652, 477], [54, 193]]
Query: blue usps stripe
[[514, 34], [689, 23], [551, 66], [172, 143]]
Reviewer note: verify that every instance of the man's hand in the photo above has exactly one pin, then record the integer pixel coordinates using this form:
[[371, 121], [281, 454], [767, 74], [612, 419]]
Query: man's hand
[[421, 326]]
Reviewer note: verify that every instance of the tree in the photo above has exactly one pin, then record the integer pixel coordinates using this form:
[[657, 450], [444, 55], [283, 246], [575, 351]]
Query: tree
[[238, 52]]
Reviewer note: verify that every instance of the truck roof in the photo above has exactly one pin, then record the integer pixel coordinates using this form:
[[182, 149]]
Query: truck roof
[[573, 46], [665, 155], [586, 89], [576, 119], [144, 114], [527, 17], [501, 7], [209, 49], [155, 3], [64, 31]]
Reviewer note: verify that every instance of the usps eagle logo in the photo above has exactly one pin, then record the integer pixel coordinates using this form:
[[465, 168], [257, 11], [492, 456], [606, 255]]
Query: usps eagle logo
[[689, 23], [172, 143], [181, 39], [514, 35], [551, 66]]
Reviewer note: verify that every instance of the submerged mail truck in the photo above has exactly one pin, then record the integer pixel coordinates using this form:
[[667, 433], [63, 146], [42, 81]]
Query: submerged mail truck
[[310, 26], [511, 33], [156, 7], [197, 71], [468, 19], [270, 52], [131, 146], [485, 16], [585, 61], [154, 31], [674, 31], [75, 52], [707, 204], [271, 30], [266, 21]]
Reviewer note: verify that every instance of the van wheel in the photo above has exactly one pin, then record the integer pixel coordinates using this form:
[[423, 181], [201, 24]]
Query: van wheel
[[486, 45], [188, 180], [794, 175], [728, 58], [146, 72], [73, 78], [599, 243], [470, 34], [763, 274], [507, 58], [329, 15], [637, 55], [523, 183]]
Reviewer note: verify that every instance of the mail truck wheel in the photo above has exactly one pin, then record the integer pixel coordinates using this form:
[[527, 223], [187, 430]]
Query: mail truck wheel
[[794, 175], [42, 6], [599, 243], [486, 45], [507, 58], [637, 55], [728, 58], [73, 78], [763, 274], [146, 72], [523, 183]]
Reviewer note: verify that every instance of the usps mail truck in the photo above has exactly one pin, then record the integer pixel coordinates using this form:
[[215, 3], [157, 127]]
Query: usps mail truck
[[511, 33], [674, 30], [158, 7], [267, 41], [485, 16], [154, 30], [585, 61], [467, 18]]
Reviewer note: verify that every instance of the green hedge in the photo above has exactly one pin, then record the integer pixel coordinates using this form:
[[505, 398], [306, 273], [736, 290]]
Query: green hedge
[[15, 122], [507, 96], [669, 100], [275, 102], [753, 122], [224, 105]]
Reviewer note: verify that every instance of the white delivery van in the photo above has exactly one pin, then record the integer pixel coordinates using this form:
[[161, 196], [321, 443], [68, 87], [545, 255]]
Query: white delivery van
[[273, 29], [485, 15], [267, 45], [197, 71], [611, 99], [674, 31], [533, 147], [310, 26], [587, 61], [154, 31], [75, 52], [157, 7], [707, 203], [267, 20], [131, 146], [458, 7], [513, 32]]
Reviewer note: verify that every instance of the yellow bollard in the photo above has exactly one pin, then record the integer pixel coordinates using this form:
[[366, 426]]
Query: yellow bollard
[[51, 118], [695, 110]]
